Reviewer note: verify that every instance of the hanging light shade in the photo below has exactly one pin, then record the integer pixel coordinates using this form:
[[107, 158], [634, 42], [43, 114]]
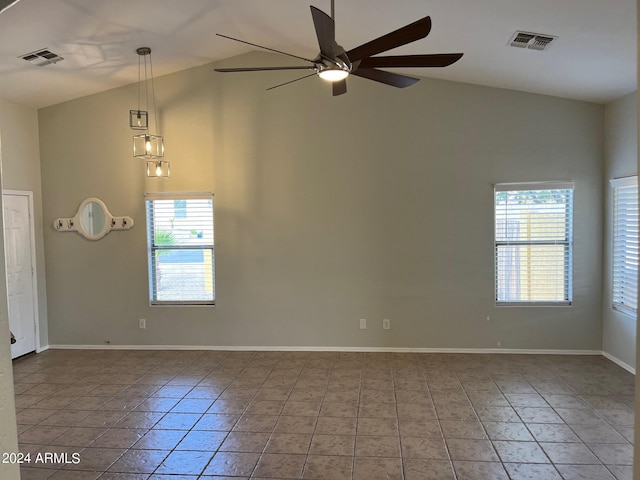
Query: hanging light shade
[[158, 169], [139, 119], [147, 145]]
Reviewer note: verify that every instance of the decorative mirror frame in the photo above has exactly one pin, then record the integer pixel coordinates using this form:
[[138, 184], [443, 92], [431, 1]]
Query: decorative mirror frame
[[74, 224]]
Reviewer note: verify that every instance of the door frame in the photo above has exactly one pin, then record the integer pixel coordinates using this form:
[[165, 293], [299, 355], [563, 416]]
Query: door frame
[[32, 248]]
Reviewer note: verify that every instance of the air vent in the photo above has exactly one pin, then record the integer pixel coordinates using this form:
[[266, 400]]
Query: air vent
[[522, 39], [534, 41], [42, 57]]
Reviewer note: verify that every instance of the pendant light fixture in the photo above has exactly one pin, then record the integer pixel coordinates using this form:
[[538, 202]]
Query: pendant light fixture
[[158, 168], [147, 145]]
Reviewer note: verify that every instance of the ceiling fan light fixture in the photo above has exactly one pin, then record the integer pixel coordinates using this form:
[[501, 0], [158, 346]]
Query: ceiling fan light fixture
[[333, 74]]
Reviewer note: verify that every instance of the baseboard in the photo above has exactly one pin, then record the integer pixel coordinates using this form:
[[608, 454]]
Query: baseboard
[[42, 349], [331, 349], [619, 362]]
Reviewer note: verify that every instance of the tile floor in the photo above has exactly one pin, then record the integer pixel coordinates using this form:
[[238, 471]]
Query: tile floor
[[134, 415]]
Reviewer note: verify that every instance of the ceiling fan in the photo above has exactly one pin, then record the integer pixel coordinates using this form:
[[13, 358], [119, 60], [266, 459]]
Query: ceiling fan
[[335, 64]]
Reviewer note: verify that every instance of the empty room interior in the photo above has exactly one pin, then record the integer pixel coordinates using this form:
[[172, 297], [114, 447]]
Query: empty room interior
[[251, 239]]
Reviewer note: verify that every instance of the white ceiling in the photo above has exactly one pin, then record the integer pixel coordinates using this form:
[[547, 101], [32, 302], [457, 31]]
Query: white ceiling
[[594, 58]]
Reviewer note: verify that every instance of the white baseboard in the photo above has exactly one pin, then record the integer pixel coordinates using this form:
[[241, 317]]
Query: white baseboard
[[258, 348], [619, 362], [330, 349]]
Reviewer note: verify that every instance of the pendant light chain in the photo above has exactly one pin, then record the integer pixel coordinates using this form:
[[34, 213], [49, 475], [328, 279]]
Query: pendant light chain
[[146, 84], [153, 95], [139, 86]]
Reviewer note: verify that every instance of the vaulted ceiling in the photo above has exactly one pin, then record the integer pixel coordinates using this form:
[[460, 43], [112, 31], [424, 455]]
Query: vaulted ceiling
[[593, 59]]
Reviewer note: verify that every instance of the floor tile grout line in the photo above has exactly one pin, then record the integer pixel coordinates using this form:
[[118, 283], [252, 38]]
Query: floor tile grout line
[[315, 426], [481, 424], [527, 427], [395, 396], [569, 426]]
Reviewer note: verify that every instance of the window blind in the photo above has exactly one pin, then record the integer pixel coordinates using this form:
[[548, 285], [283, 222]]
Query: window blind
[[625, 245], [180, 240], [533, 243]]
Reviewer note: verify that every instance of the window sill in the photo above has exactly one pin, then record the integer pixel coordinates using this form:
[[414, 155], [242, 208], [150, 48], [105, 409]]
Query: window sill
[[182, 304], [625, 311], [533, 304]]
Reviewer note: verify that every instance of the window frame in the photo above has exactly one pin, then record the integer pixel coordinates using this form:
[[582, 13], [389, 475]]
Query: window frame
[[153, 248], [620, 302], [568, 242]]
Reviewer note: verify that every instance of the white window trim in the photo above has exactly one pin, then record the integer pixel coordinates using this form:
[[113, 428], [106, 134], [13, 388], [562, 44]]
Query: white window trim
[[615, 305], [507, 187], [543, 185], [151, 196], [177, 195]]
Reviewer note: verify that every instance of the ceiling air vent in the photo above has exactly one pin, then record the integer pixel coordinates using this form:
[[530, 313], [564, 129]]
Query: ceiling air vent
[[42, 57], [534, 41]]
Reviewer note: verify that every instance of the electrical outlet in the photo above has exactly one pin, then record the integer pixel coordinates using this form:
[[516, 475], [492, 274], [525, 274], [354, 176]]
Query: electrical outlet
[[363, 324], [142, 323], [386, 324]]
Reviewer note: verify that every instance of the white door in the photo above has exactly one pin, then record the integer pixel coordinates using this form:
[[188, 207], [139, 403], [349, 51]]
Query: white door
[[18, 259]]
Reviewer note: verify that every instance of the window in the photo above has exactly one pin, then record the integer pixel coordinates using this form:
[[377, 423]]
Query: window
[[180, 249], [625, 245], [180, 207], [533, 243]]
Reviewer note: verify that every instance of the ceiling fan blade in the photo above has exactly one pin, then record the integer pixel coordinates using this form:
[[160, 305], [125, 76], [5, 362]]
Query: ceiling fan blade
[[4, 4], [339, 87], [260, 69], [402, 36], [326, 33], [291, 81], [388, 78], [265, 48], [435, 60]]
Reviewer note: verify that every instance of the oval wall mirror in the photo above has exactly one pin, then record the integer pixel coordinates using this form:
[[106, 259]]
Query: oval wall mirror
[[94, 221], [93, 218]]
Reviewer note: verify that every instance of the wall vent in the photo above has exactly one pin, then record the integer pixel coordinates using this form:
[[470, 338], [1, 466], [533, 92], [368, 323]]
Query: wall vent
[[42, 57], [534, 41]]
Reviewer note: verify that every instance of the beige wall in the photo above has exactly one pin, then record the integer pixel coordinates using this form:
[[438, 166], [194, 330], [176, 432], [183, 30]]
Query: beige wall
[[8, 429], [376, 204], [621, 154], [21, 171], [20, 159]]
